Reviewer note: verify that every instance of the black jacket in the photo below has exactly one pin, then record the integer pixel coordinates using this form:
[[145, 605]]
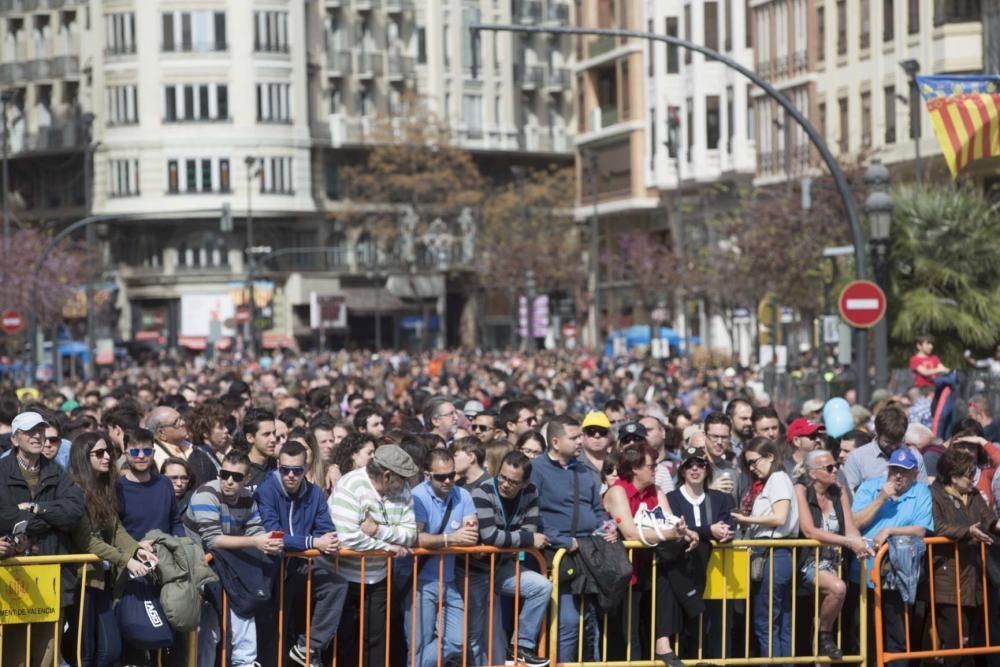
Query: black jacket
[[60, 509], [606, 571], [247, 575]]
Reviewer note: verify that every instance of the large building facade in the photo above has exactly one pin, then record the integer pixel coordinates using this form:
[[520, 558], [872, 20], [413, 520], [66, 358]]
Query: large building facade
[[255, 109]]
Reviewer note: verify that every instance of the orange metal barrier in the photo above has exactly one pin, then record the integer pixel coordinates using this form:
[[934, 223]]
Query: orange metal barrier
[[935, 652], [467, 552]]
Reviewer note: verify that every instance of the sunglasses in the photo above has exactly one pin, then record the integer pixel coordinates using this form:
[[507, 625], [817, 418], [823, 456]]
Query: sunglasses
[[830, 468], [695, 463], [443, 476], [479, 428], [294, 471], [99, 453], [226, 475], [595, 432], [53, 440], [135, 451]]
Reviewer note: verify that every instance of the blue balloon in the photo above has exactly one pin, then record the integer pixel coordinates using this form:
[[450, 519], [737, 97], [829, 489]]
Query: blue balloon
[[837, 417]]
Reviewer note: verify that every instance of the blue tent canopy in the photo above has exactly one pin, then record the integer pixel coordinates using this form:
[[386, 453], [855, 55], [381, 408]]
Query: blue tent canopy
[[638, 334]]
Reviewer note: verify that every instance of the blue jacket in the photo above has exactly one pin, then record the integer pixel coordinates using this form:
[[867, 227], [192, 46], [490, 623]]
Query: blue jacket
[[555, 500], [302, 517]]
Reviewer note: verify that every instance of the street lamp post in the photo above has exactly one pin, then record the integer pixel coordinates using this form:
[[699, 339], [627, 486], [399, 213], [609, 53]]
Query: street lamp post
[[6, 98], [249, 334], [88, 148], [593, 164], [912, 68], [878, 207]]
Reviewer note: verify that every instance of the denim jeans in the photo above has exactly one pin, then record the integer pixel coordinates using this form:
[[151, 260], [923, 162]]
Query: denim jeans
[[425, 633], [776, 594], [569, 627], [534, 594], [243, 633], [102, 643]]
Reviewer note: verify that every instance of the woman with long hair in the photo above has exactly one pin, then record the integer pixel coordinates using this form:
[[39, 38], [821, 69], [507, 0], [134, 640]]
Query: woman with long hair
[[768, 510], [353, 452], [531, 444], [102, 534]]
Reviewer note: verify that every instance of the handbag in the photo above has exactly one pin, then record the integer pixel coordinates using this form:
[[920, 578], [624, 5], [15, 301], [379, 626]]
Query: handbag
[[140, 616]]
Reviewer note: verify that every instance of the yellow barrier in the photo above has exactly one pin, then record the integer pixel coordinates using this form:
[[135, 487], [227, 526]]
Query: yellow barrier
[[71, 559], [728, 580]]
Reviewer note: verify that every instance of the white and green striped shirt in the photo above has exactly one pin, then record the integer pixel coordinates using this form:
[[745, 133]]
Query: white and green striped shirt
[[354, 498]]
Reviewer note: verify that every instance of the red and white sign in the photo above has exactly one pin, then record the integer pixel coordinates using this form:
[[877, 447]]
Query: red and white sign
[[569, 330], [12, 322], [862, 304], [242, 315]]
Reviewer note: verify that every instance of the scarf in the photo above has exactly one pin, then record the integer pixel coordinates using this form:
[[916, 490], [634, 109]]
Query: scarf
[[746, 503]]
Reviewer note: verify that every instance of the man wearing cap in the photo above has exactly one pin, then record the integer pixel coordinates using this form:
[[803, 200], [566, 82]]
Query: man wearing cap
[[596, 429], [812, 409], [893, 504], [373, 511], [39, 494], [870, 461], [803, 436]]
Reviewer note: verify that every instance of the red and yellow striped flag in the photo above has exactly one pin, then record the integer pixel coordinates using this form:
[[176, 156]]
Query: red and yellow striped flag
[[965, 113]]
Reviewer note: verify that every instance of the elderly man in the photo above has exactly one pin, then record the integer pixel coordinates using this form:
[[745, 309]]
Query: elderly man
[[39, 507], [170, 433]]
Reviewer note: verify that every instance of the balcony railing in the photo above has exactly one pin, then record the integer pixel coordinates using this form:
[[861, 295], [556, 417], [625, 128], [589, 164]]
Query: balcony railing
[[398, 6], [65, 66], [367, 5], [529, 76], [609, 117], [399, 66], [559, 78], [338, 63], [41, 69], [557, 12], [527, 11], [369, 65], [601, 45]]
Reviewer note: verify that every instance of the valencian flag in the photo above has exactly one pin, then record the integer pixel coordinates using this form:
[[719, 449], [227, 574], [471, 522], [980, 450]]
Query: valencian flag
[[965, 112]]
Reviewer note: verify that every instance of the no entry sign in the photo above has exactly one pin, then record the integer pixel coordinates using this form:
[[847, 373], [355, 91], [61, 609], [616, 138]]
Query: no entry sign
[[12, 322], [862, 304]]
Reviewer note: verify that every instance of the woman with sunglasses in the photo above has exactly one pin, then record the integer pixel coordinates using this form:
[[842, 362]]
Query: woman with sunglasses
[[636, 487], [825, 516], [102, 534], [768, 511], [960, 514]]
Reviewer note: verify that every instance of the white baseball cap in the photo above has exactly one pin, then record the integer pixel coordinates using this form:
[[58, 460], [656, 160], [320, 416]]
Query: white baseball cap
[[27, 421]]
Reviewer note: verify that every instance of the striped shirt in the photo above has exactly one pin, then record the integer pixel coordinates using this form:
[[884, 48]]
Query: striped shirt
[[210, 516], [353, 499]]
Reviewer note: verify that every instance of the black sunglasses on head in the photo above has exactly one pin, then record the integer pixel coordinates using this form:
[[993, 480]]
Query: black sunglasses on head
[[226, 475]]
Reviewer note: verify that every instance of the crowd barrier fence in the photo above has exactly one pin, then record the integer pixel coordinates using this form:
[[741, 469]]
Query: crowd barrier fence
[[929, 596]]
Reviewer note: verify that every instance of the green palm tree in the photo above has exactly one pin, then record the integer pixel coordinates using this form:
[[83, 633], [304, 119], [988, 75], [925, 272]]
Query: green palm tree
[[945, 273]]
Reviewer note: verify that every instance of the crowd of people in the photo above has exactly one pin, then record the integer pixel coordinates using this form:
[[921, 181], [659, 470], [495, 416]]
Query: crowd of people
[[555, 453]]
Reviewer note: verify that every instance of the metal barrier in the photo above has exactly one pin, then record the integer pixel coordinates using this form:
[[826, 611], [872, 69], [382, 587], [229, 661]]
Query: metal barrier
[[935, 652], [83, 560], [467, 552], [728, 577]]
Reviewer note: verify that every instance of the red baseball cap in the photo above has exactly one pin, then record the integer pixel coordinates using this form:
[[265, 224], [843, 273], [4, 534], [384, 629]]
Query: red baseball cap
[[800, 427]]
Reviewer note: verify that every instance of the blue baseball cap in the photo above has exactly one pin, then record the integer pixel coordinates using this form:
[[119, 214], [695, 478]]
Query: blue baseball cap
[[903, 458]]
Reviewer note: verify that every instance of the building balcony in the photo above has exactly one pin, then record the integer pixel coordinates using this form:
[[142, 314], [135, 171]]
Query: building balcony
[[369, 65], [527, 11], [558, 79], [334, 4], [367, 5], [557, 12], [601, 45], [338, 64], [529, 76], [11, 73], [399, 66], [398, 6], [64, 66], [57, 137], [119, 51]]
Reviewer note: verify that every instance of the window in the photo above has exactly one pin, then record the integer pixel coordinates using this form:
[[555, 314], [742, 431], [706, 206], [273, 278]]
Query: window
[[271, 31], [866, 120], [190, 103], [446, 46], [727, 25], [472, 115], [821, 121], [124, 178], [273, 104], [730, 124], [687, 33], [713, 122], [956, 11], [821, 34], [626, 97], [711, 17], [841, 27], [689, 103], [890, 114], [198, 175], [888, 20], [865, 37], [651, 45], [122, 108], [652, 138], [120, 30], [673, 59], [843, 141], [912, 17], [673, 130], [916, 112], [276, 175], [422, 46], [194, 31], [471, 42]]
